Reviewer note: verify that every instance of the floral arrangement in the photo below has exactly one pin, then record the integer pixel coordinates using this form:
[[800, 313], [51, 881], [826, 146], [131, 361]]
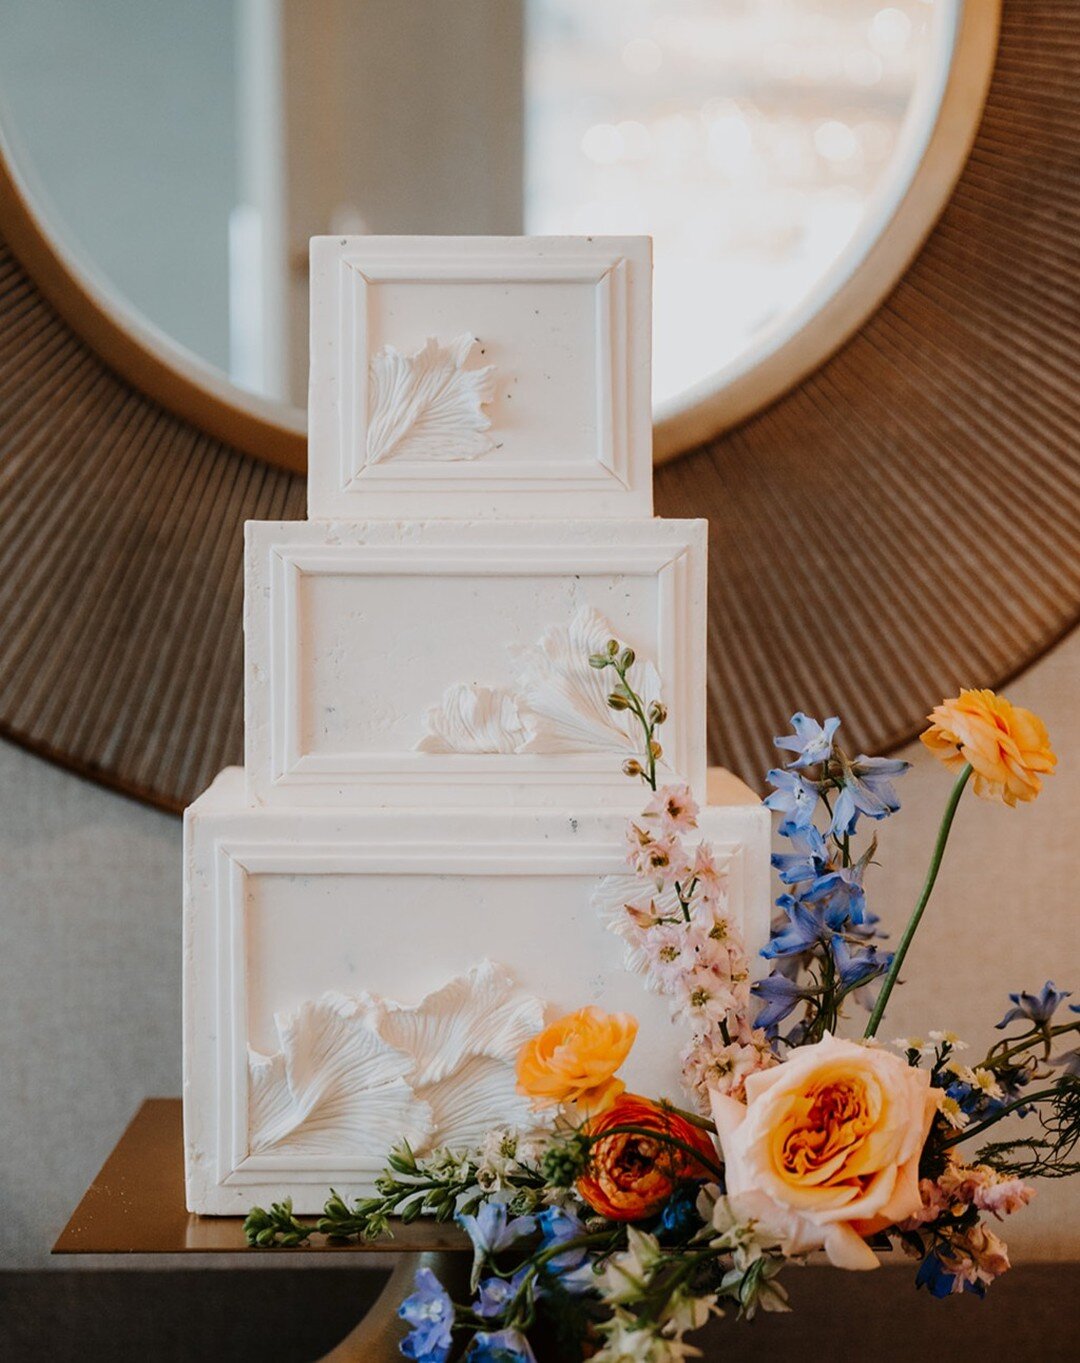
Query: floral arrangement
[[623, 1223]]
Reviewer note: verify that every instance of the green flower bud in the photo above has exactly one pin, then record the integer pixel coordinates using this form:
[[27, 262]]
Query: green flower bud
[[612, 647], [598, 660], [627, 659], [617, 702], [562, 1165], [657, 712], [411, 1212]]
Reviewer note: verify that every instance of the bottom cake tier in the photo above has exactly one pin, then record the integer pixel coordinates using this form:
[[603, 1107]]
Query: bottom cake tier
[[352, 977]]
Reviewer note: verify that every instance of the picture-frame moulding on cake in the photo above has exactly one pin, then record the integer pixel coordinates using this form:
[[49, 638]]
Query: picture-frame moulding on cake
[[321, 945], [437, 663], [480, 376]]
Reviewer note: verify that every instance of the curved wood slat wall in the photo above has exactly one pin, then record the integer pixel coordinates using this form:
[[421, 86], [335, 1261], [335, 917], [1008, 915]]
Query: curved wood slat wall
[[903, 522]]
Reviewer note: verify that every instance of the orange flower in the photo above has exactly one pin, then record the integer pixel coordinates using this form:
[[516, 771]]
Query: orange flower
[[575, 1059], [630, 1176], [1007, 746]]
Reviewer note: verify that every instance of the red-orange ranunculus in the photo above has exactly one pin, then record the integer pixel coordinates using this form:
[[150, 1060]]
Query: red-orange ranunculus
[[630, 1176]]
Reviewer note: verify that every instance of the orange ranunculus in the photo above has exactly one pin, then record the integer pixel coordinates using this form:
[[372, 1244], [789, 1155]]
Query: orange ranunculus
[[574, 1060], [1008, 747], [630, 1176]]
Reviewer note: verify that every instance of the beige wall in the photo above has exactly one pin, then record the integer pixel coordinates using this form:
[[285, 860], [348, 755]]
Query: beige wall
[[90, 955]]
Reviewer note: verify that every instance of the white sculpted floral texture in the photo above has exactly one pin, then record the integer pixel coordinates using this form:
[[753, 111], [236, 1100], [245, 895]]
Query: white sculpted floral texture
[[428, 405], [354, 1074], [560, 704]]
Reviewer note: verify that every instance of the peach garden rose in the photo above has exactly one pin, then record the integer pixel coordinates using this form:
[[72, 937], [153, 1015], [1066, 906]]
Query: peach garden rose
[[827, 1145]]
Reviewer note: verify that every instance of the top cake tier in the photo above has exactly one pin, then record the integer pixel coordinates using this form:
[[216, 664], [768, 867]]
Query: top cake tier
[[466, 377]]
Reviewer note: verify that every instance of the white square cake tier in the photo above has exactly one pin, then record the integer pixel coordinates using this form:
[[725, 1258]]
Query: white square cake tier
[[437, 663], [353, 977], [480, 376]]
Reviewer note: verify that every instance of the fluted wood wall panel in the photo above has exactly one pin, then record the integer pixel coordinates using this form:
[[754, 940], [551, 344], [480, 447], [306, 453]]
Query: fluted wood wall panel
[[903, 522]]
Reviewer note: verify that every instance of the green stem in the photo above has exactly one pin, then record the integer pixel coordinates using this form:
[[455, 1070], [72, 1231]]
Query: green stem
[[997, 1055], [1027, 1101], [694, 1118], [648, 729], [924, 899]]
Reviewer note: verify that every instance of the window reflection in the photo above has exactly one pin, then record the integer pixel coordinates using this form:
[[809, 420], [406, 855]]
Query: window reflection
[[747, 136]]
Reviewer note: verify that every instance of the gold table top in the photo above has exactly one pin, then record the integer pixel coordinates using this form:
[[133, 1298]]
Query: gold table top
[[136, 1205]]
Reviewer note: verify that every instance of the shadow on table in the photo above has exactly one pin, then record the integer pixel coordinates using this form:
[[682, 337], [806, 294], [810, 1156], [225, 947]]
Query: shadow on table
[[288, 1316]]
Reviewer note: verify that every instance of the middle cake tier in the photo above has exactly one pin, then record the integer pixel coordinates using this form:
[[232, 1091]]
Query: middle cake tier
[[437, 662]]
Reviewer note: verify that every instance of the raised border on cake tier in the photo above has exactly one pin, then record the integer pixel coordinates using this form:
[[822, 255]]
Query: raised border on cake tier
[[287, 910], [354, 631]]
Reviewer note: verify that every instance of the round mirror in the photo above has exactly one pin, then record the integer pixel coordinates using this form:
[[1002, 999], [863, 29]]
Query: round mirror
[[186, 153]]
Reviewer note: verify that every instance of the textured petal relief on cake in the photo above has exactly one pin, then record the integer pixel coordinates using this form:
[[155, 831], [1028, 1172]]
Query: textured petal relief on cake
[[473, 719], [463, 1103], [565, 700], [428, 405], [336, 1085], [481, 1013]]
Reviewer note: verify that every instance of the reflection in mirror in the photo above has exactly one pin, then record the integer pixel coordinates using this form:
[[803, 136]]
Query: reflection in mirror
[[186, 153]]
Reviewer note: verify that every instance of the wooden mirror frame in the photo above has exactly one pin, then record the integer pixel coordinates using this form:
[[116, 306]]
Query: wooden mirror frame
[[900, 522], [938, 132]]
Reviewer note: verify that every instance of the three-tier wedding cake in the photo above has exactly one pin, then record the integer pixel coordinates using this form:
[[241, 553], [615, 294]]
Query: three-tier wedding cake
[[411, 872]]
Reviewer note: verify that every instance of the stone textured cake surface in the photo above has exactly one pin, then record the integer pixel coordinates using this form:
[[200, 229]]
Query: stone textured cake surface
[[412, 872]]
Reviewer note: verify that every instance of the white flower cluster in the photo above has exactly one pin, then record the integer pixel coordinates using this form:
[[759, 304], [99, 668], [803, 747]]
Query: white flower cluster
[[627, 1281], [672, 911]]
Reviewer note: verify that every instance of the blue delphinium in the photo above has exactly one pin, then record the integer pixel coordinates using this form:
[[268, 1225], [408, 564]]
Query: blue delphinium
[[821, 946], [1037, 1008], [805, 930], [809, 860], [794, 796], [939, 1282], [430, 1312], [490, 1233], [500, 1346], [856, 967], [680, 1217], [781, 997], [867, 788], [811, 742], [841, 891], [557, 1225], [496, 1294]]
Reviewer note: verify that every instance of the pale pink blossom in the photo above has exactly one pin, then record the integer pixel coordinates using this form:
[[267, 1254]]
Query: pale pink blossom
[[710, 880], [710, 1063], [643, 918], [976, 1257], [960, 1186], [934, 1203], [706, 997], [1004, 1197], [675, 809], [673, 950], [662, 860], [637, 840]]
